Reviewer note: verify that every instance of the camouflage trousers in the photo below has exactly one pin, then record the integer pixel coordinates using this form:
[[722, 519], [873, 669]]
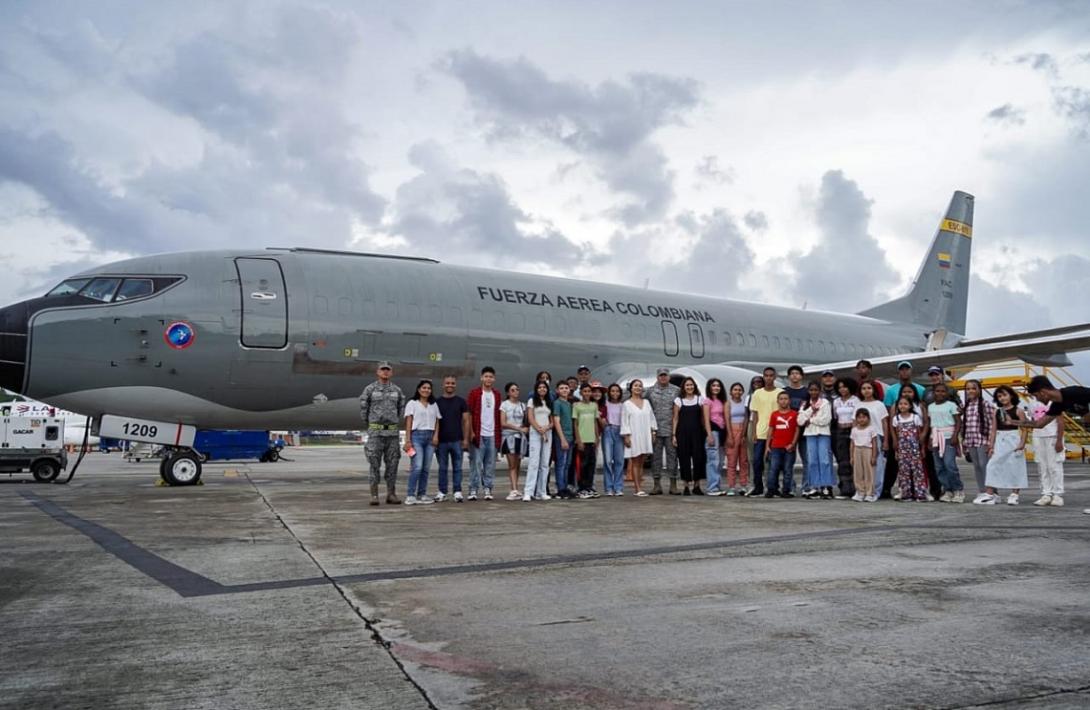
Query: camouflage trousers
[[663, 447], [379, 449]]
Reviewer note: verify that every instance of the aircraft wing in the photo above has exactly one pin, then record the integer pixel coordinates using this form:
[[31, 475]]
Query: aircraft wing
[[1042, 347]]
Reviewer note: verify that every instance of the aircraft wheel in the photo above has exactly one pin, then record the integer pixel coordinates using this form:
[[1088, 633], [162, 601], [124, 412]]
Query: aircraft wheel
[[163, 469], [272, 456], [183, 469], [45, 471]]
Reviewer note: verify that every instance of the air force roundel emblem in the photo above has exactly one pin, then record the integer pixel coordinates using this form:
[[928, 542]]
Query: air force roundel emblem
[[179, 335]]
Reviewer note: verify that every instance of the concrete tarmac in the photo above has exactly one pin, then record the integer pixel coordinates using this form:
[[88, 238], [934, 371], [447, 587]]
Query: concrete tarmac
[[276, 585]]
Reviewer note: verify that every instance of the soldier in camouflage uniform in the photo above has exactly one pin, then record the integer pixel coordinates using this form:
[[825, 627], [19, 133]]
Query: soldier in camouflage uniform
[[381, 406], [661, 395]]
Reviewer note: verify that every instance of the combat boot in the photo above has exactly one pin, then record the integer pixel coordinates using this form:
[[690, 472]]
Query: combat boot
[[657, 489], [391, 494], [374, 494], [673, 487]]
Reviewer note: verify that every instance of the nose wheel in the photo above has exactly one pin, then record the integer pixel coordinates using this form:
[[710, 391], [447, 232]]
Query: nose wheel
[[181, 468]]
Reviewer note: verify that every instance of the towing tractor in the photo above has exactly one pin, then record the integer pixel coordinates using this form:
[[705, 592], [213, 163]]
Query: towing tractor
[[34, 444]]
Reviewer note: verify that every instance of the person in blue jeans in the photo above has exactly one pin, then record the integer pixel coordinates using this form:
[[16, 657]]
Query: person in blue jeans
[[715, 423], [783, 437], [421, 417], [613, 442], [564, 434], [945, 437], [762, 402], [484, 411], [452, 437], [817, 415]]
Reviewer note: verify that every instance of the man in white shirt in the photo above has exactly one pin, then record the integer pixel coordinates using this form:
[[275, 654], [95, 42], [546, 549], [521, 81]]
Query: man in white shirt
[[484, 408]]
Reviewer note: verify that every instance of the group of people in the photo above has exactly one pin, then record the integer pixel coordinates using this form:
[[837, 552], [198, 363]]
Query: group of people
[[856, 438]]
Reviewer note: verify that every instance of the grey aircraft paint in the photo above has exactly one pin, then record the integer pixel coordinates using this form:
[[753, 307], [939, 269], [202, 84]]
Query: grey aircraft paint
[[287, 338]]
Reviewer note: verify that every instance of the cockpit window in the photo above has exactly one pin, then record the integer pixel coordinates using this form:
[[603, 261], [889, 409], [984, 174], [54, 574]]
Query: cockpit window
[[100, 289], [114, 289], [68, 287], [134, 288]]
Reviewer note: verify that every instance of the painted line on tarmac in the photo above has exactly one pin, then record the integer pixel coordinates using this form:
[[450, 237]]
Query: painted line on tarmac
[[190, 584], [183, 581]]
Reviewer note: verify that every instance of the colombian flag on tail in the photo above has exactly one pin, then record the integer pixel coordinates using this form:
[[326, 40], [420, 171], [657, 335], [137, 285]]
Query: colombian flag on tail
[[944, 260]]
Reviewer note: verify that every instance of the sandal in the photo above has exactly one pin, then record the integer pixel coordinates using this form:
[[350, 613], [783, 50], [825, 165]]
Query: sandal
[[641, 494]]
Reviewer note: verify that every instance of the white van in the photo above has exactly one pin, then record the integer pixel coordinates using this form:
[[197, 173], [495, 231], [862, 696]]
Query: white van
[[34, 444]]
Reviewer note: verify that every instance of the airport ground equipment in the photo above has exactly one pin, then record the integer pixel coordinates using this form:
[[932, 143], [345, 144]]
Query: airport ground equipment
[[136, 452], [34, 444], [222, 445]]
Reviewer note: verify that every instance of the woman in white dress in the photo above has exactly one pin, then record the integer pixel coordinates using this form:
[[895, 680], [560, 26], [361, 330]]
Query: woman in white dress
[[638, 429], [1007, 464]]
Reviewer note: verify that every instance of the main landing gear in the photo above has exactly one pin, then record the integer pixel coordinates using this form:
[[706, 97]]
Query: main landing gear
[[180, 467]]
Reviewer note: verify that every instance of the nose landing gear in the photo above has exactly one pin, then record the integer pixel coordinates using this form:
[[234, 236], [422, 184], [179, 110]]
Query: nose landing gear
[[181, 467]]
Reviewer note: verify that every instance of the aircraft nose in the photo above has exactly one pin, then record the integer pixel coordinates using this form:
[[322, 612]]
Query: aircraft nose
[[13, 345]]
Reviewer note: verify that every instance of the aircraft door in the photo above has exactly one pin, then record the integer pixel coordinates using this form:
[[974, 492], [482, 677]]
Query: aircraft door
[[264, 313], [670, 346], [696, 340]]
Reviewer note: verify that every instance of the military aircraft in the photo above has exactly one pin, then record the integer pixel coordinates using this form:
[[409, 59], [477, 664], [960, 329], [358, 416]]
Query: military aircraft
[[286, 338]]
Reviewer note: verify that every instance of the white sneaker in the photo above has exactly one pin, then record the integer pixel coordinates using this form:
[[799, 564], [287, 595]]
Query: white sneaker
[[858, 497], [513, 495], [546, 496], [1046, 499], [458, 497], [947, 497], [870, 499], [930, 498], [440, 497], [1012, 499], [1057, 501], [410, 500], [526, 498], [959, 497], [583, 495], [619, 493], [1086, 511], [896, 493], [488, 494], [472, 495], [985, 499], [424, 500]]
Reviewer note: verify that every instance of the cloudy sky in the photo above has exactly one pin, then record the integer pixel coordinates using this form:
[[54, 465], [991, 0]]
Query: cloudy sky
[[766, 151]]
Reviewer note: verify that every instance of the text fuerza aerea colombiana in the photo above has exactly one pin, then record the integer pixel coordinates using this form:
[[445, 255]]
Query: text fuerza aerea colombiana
[[581, 303]]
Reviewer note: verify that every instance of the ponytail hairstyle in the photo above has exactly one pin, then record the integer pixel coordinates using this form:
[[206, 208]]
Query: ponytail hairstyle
[[979, 405]]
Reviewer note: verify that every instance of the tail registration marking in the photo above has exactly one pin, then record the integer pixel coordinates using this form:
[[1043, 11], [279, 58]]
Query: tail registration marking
[[950, 225]]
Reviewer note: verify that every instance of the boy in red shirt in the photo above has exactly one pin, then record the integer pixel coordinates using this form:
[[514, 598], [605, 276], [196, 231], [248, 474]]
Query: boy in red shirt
[[783, 437]]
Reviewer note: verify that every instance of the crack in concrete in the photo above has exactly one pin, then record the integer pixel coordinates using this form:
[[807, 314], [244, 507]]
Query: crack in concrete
[[1019, 698], [369, 624]]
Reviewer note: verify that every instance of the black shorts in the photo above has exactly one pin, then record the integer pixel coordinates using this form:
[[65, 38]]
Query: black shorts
[[512, 446]]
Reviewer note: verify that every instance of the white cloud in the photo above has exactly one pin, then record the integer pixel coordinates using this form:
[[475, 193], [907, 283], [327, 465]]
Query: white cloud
[[144, 127]]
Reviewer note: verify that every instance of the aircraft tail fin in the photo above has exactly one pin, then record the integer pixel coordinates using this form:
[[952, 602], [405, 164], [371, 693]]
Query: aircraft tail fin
[[939, 295]]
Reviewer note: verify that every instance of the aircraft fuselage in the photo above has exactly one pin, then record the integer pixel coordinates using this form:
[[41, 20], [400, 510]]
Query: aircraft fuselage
[[289, 338]]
